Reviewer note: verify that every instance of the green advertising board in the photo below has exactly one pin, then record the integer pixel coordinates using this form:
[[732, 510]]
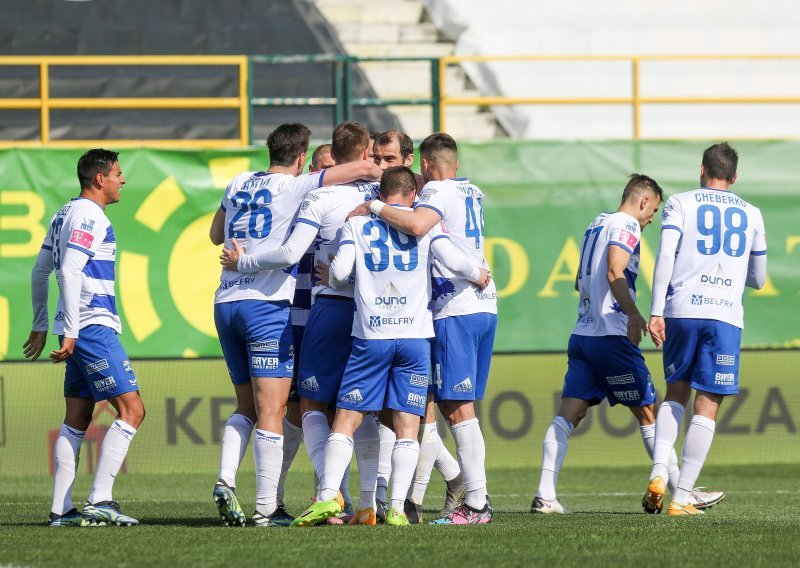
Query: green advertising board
[[187, 403], [540, 198]]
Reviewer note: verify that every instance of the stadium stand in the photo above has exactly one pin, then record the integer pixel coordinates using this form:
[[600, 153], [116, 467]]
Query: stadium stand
[[630, 27], [171, 27]]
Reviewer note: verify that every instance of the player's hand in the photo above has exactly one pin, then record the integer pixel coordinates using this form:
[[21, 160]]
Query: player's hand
[[35, 345], [637, 328], [657, 328], [229, 259], [484, 279], [323, 273], [67, 347], [362, 209]]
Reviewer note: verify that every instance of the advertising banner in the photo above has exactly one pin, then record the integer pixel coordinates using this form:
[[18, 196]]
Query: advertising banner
[[540, 196]]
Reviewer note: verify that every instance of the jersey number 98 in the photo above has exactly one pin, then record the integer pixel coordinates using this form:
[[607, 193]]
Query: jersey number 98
[[710, 224]]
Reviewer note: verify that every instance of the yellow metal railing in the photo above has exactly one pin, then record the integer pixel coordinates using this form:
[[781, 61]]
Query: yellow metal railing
[[635, 100], [44, 103]]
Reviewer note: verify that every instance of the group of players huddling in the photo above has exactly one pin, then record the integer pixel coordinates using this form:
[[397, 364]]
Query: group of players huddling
[[355, 296]]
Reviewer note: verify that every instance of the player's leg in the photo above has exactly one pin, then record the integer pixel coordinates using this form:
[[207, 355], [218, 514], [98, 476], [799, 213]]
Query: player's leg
[[66, 450], [462, 350], [680, 353], [110, 376], [239, 426], [293, 421], [367, 446], [387, 440], [716, 375], [326, 347], [406, 396], [362, 391], [646, 417]]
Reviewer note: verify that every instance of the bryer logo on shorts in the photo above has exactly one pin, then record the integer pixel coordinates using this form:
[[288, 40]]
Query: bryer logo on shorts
[[627, 395], [417, 400], [261, 362], [104, 384]]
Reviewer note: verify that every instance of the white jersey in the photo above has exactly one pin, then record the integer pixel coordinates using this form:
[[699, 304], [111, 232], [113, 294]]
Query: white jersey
[[460, 204], [719, 231], [392, 279], [599, 313], [82, 225], [259, 210], [327, 209]]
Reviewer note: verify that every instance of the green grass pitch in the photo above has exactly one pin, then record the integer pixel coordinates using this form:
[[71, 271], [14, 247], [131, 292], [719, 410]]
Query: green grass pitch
[[758, 524]]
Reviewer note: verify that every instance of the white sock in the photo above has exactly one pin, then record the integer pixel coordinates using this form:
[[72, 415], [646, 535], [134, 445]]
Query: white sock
[[115, 447], [292, 436], [268, 455], [649, 437], [428, 451], [384, 461], [695, 449], [315, 435], [338, 453], [367, 446], [344, 486], [66, 453], [668, 424], [404, 460], [471, 451], [235, 438], [445, 463], [554, 450]]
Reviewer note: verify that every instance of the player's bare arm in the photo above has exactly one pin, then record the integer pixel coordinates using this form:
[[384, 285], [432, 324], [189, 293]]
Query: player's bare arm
[[618, 259], [34, 346], [217, 231]]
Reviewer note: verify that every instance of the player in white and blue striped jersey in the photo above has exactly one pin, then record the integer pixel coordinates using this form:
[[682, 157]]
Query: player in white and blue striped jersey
[[81, 247], [390, 361], [465, 317], [251, 313], [713, 244]]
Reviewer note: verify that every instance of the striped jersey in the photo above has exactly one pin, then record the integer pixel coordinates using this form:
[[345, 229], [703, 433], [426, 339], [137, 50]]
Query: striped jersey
[[260, 208], [460, 205], [719, 232], [82, 225]]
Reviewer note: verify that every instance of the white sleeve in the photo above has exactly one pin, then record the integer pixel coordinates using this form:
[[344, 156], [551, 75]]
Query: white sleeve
[[69, 281], [432, 198], [756, 271], [304, 183], [342, 266], [452, 259], [40, 284], [665, 262], [285, 255]]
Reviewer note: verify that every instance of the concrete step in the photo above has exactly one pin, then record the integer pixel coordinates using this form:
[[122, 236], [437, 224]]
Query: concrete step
[[417, 123], [396, 11], [399, 49]]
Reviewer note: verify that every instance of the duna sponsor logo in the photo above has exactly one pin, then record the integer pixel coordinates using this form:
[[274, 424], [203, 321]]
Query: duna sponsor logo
[[390, 298]]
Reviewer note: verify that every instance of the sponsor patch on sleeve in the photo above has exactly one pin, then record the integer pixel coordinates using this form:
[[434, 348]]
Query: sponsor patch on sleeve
[[628, 238], [81, 238]]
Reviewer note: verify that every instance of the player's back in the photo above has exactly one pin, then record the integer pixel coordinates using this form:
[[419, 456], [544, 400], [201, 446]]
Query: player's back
[[460, 204], [392, 280], [81, 224], [259, 210], [327, 208], [719, 231], [599, 314]]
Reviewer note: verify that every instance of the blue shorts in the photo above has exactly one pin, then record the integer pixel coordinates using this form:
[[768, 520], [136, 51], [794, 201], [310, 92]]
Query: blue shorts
[[607, 367], [98, 367], [297, 345], [703, 352], [391, 373], [462, 354], [256, 339], [326, 348]]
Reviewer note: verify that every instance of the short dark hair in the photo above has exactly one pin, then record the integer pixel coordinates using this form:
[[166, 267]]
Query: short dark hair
[[438, 144], [720, 162], [638, 183], [317, 153], [349, 141], [287, 142], [398, 179], [93, 162], [373, 134], [403, 140]]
